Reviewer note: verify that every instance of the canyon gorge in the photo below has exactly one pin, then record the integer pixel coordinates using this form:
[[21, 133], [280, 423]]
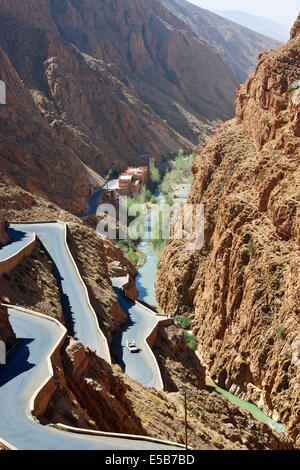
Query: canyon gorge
[[242, 289], [94, 85]]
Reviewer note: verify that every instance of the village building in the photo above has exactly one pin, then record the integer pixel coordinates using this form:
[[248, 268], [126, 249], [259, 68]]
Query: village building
[[131, 181], [128, 183]]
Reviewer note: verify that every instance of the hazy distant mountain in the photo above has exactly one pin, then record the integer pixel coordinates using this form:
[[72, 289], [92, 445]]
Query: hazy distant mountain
[[270, 28], [237, 45]]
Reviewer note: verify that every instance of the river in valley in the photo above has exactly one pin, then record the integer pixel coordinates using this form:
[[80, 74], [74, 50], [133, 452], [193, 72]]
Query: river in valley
[[145, 284], [147, 273]]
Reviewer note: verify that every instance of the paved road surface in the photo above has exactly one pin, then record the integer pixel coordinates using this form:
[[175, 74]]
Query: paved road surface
[[81, 320], [26, 367], [141, 366], [25, 370], [19, 240], [92, 203], [93, 200]]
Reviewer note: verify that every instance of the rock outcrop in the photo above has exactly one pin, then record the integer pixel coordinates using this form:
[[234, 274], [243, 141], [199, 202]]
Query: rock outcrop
[[179, 364], [7, 334], [4, 237], [88, 394], [114, 79], [242, 289], [33, 155], [31, 284]]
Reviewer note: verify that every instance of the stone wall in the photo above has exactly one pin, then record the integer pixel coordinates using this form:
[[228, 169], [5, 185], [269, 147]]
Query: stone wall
[[153, 335], [7, 265]]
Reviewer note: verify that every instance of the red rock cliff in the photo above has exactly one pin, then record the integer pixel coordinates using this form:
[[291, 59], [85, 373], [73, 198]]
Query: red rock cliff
[[108, 75], [242, 289], [33, 155]]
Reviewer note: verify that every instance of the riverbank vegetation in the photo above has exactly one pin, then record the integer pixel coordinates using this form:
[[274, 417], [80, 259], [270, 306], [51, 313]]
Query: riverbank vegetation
[[184, 321], [146, 198], [191, 341], [111, 173], [178, 173], [154, 177], [174, 175], [131, 251], [147, 192]]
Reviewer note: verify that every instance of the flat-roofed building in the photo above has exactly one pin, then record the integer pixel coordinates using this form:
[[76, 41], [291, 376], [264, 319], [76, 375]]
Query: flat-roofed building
[[131, 181], [138, 173]]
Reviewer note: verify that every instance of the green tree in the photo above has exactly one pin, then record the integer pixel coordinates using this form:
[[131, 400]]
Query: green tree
[[111, 173], [154, 178], [191, 341]]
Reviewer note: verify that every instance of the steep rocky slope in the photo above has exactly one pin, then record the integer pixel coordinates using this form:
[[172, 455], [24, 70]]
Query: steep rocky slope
[[107, 75], [266, 26], [33, 155], [31, 286], [91, 394], [238, 46], [242, 290]]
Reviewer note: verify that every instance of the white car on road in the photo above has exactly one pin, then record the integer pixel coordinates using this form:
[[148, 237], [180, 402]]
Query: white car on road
[[131, 346]]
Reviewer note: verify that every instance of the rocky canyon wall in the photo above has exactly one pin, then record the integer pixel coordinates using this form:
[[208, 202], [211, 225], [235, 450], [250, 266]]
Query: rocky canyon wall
[[237, 45], [242, 290], [116, 78], [33, 155]]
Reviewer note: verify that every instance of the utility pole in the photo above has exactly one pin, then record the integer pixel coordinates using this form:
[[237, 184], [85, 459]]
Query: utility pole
[[185, 421]]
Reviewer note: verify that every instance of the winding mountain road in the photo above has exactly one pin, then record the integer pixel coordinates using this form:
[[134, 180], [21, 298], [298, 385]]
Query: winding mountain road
[[28, 366], [25, 371], [82, 320], [19, 240], [141, 366], [94, 198]]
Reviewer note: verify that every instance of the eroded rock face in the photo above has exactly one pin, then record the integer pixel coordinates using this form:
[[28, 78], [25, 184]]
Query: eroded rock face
[[4, 237], [265, 105], [89, 394], [33, 155], [240, 52], [242, 289], [179, 365], [107, 75]]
